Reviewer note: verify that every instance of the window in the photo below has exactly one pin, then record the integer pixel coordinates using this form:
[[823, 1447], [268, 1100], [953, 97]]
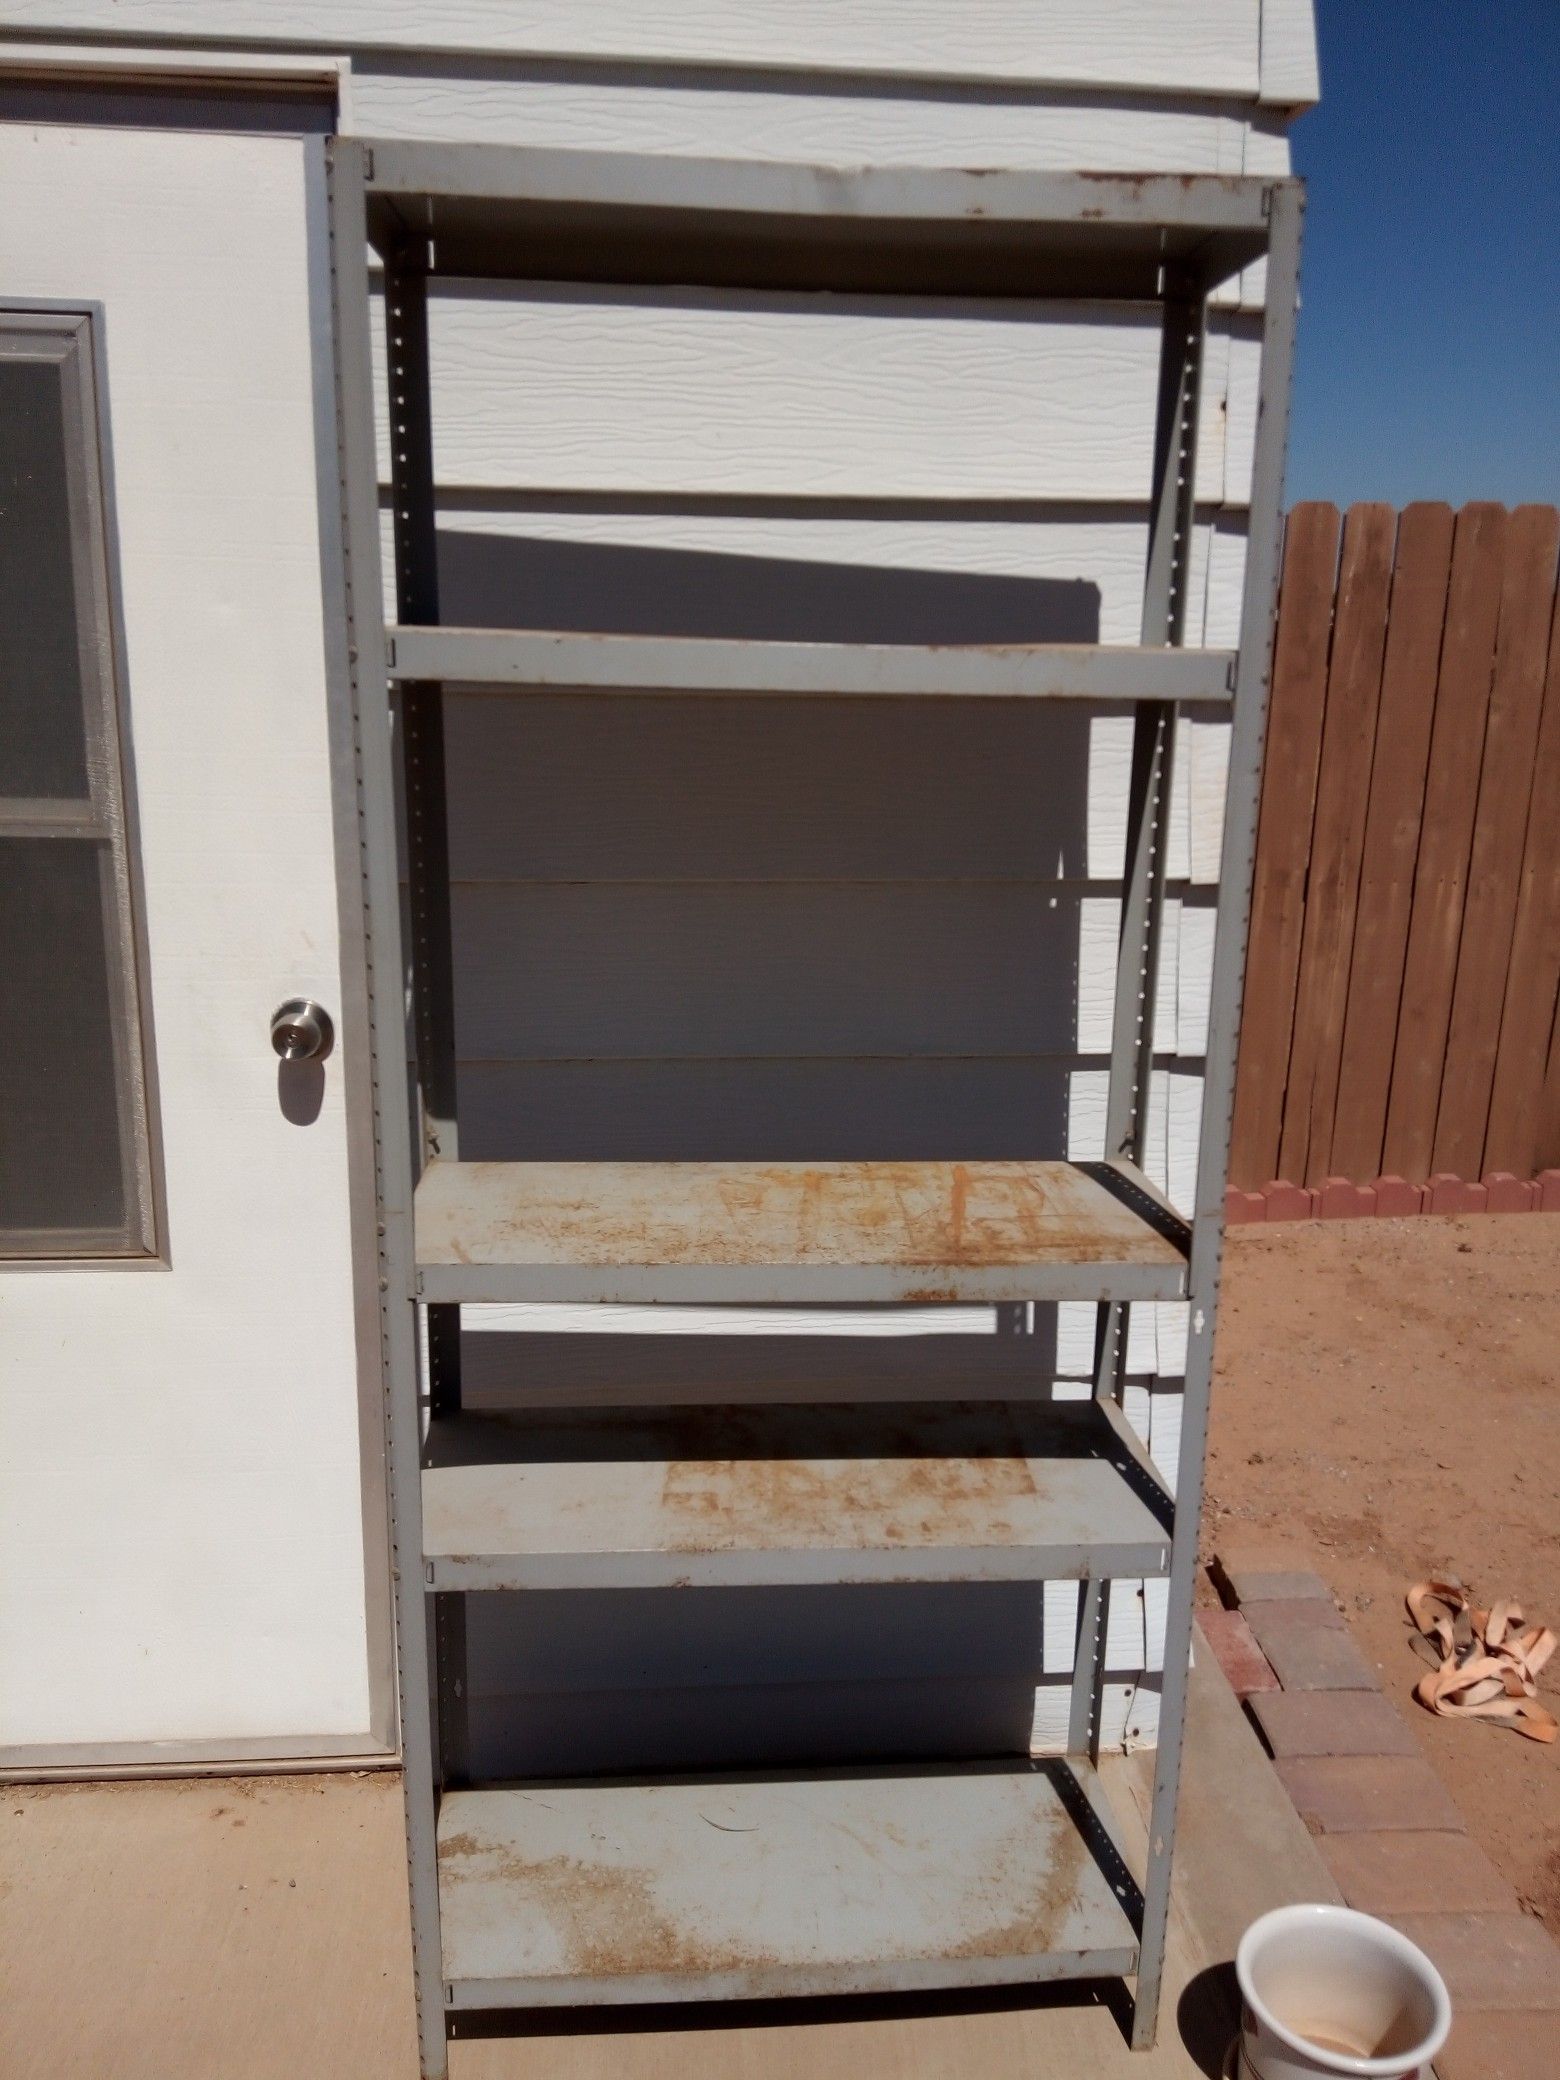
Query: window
[[75, 1134]]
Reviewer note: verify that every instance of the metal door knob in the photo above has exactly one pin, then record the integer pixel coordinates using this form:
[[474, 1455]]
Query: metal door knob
[[301, 1030]]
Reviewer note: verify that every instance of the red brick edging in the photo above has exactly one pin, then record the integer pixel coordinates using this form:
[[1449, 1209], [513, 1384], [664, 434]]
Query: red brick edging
[[1384, 1824], [1391, 1198]]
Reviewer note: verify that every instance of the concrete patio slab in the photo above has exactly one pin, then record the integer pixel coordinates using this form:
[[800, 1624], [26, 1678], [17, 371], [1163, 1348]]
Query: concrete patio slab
[[255, 1928]]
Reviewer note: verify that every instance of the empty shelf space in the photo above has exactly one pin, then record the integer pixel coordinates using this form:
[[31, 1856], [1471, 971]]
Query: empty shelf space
[[817, 1233], [537, 660], [733, 1497], [538, 214], [881, 1881]]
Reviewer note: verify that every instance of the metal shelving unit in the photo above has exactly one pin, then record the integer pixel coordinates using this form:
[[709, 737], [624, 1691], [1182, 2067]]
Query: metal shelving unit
[[829, 1880]]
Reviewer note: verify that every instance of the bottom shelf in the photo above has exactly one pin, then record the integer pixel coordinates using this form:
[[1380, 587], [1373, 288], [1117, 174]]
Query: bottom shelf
[[730, 1888]]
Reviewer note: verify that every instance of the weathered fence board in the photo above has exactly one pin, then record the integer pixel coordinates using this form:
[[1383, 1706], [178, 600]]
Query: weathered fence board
[[1284, 833], [1519, 1118], [1337, 838], [1401, 987], [1445, 840], [1397, 799], [1495, 867]]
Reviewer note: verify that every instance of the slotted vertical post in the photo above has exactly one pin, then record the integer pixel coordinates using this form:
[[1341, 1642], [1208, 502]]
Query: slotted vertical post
[[421, 716], [421, 720], [374, 756], [1253, 673], [1172, 512], [1088, 1688]]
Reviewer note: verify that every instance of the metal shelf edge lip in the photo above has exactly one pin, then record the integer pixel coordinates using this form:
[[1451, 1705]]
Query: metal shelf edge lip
[[797, 1883], [543, 659], [499, 1574], [939, 1285], [508, 212], [778, 1982], [652, 181]]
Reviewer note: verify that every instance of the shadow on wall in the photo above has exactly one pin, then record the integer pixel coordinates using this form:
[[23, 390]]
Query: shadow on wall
[[582, 1683], [697, 928], [504, 581], [556, 1369]]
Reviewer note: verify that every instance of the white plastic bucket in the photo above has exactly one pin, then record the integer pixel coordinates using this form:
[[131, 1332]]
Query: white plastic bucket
[[1328, 1992]]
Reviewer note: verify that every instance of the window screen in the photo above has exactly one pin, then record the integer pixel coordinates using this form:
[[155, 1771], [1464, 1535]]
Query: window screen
[[75, 1156]]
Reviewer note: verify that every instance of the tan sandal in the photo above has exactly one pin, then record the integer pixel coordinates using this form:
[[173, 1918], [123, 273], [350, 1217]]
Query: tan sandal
[[1486, 1662]]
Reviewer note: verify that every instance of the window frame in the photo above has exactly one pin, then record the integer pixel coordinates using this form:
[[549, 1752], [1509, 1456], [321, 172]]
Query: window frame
[[70, 337]]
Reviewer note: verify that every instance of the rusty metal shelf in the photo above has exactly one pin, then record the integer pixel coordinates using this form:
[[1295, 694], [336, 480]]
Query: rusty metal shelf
[[528, 213], [815, 1233], [730, 1888], [846, 1881], [540, 660], [746, 1497]]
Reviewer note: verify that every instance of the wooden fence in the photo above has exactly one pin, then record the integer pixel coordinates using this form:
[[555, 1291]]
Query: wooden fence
[[1400, 1003]]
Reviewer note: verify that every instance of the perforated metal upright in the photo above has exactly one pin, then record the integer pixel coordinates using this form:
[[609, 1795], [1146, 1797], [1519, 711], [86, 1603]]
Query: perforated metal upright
[[840, 1880]]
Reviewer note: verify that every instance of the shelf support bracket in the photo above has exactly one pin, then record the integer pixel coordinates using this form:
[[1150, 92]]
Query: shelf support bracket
[[1248, 731], [1172, 516], [1165, 584], [420, 721]]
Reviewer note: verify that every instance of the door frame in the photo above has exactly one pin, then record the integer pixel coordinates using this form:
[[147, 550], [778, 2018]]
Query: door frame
[[378, 1745]]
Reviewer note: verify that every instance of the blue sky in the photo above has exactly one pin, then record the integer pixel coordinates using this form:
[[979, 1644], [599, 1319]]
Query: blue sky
[[1429, 351]]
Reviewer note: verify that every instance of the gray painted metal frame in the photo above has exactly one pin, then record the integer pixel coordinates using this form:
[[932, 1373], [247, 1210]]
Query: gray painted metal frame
[[420, 728], [1188, 234], [868, 1285], [530, 660], [921, 195], [1258, 604], [503, 211], [353, 1003], [1171, 522], [392, 1132]]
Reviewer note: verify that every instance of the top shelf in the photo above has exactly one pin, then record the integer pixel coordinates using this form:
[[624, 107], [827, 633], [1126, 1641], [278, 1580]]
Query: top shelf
[[522, 213]]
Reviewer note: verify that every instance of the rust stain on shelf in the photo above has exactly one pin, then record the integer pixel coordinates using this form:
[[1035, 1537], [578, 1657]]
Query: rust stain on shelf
[[606, 1918], [917, 1487], [938, 1215]]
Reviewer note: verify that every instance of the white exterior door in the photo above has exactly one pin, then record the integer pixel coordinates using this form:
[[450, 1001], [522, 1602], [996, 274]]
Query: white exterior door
[[192, 1531]]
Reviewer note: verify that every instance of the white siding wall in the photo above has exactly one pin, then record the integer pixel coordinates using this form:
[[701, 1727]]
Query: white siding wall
[[692, 931]]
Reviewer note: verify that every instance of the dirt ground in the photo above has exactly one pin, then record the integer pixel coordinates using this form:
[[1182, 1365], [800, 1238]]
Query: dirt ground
[[1388, 1406]]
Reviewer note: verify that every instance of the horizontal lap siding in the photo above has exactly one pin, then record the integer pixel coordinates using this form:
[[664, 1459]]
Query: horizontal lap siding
[[707, 928], [674, 393], [780, 1675], [1197, 46], [980, 127], [810, 969], [770, 789], [794, 466], [923, 571], [704, 927]]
